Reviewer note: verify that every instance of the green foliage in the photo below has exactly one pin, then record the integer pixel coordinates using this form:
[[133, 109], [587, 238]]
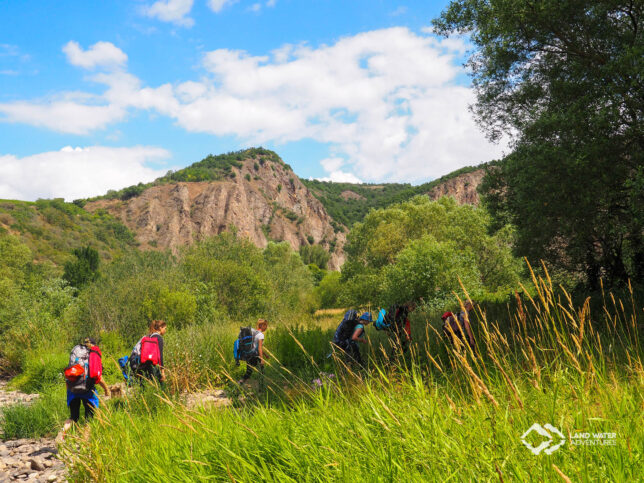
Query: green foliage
[[574, 107], [315, 254], [430, 269], [44, 417], [52, 229], [84, 269], [329, 290], [247, 177], [42, 369], [175, 307], [212, 281], [420, 248], [316, 273], [347, 210]]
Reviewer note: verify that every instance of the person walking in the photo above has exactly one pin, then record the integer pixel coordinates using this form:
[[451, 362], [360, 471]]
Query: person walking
[[349, 333], [457, 326], [82, 375], [150, 353], [257, 357]]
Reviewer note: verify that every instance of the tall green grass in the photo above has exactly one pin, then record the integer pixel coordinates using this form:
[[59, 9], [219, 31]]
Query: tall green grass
[[439, 413]]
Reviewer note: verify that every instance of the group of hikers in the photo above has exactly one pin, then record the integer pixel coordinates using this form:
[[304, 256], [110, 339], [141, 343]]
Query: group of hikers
[[395, 321], [85, 370], [145, 363]]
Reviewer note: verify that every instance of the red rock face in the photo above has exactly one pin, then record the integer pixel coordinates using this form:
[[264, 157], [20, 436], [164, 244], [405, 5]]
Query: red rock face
[[463, 188], [272, 203]]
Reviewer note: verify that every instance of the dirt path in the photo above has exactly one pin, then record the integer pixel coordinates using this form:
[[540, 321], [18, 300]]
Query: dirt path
[[28, 459]]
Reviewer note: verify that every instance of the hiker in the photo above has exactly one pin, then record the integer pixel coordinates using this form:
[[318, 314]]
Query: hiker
[[254, 355], [147, 355], [350, 332], [395, 320], [83, 373], [455, 324]]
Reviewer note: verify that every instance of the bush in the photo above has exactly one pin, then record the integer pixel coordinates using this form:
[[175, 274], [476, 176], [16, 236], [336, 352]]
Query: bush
[[41, 418], [329, 290], [84, 269], [42, 370], [314, 254]]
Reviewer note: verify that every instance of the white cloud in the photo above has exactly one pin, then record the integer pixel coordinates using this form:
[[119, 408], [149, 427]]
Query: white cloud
[[101, 54], [256, 7], [271, 3], [332, 164], [387, 103], [69, 115], [175, 11], [74, 173], [341, 177], [218, 5]]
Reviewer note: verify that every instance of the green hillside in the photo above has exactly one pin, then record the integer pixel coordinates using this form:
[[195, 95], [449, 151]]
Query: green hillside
[[210, 168], [348, 210], [52, 229], [344, 210]]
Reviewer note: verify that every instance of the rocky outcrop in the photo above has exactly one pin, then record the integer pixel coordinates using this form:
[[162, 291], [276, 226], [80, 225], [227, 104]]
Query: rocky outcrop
[[351, 195], [463, 188], [262, 201]]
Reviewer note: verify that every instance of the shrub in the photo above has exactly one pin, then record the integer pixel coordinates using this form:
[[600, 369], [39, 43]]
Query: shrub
[[314, 254]]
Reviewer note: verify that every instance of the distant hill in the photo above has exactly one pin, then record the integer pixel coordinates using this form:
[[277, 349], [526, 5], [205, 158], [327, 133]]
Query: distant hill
[[348, 203], [251, 191], [53, 228]]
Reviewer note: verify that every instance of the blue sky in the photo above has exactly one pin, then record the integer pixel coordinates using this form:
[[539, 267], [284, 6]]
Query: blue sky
[[101, 95]]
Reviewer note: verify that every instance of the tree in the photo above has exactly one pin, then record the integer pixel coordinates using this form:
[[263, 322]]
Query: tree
[[421, 248], [564, 80], [314, 254], [84, 269]]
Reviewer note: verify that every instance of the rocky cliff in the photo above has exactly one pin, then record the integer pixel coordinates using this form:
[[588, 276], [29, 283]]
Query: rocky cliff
[[463, 188], [261, 199]]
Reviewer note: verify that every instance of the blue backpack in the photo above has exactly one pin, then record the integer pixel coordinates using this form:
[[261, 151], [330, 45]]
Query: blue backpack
[[392, 319], [382, 322], [243, 346]]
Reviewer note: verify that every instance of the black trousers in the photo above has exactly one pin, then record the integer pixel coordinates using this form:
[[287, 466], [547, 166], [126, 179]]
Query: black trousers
[[351, 350], [74, 409], [148, 372], [251, 364]]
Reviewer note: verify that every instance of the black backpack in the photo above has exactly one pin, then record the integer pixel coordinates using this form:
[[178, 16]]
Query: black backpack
[[243, 348], [347, 327]]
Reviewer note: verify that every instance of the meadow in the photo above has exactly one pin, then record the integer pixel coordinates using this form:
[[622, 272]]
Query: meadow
[[544, 355], [437, 414]]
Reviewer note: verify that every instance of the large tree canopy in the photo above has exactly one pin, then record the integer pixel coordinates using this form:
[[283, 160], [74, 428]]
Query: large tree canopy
[[421, 248], [563, 79]]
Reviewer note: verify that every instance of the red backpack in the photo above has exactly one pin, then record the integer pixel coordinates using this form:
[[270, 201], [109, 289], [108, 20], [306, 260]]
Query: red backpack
[[95, 363], [150, 350]]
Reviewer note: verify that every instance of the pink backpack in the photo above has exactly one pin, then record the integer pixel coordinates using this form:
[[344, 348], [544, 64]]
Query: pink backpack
[[95, 363], [150, 350]]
